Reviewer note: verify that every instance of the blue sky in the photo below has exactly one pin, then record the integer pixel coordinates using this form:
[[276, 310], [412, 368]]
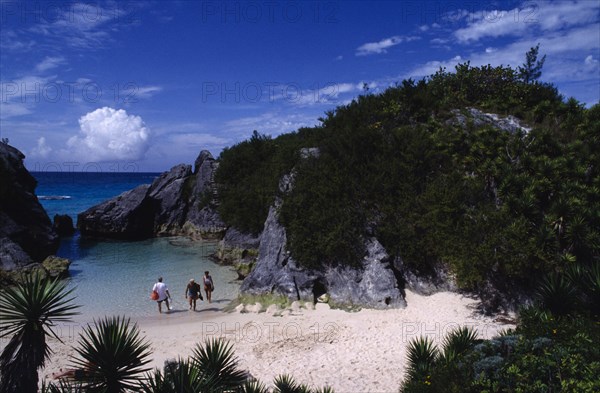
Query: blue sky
[[147, 85]]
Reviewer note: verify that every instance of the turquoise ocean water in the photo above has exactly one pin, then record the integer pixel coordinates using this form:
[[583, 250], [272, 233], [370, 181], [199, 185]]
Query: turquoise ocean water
[[115, 277]]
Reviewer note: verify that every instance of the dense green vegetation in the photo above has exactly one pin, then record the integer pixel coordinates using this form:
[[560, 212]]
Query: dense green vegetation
[[554, 348], [494, 205]]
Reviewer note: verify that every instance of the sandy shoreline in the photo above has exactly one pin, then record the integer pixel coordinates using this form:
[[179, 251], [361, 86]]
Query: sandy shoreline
[[350, 351]]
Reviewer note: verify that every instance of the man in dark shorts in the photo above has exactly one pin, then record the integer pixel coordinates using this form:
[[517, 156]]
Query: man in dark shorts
[[192, 293]]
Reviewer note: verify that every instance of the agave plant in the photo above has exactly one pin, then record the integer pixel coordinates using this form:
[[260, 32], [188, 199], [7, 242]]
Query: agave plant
[[422, 355], [286, 384], [112, 355], [219, 368], [63, 386], [457, 343], [557, 294], [29, 312], [254, 387], [181, 377], [592, 288]]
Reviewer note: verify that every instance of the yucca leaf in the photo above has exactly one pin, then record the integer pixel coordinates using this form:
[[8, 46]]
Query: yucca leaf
[[113, 355], [218, 365], [457, 343], [29, 313]]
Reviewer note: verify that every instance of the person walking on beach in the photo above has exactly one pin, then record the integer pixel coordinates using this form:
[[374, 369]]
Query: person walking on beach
[[209, 285], [163, 294], [192, 292]]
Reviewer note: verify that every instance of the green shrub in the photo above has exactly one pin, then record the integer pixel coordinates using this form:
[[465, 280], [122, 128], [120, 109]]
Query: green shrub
[[493, 205]]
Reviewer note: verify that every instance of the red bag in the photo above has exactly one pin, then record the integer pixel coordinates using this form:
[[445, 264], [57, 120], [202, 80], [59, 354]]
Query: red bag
[[154, 295]]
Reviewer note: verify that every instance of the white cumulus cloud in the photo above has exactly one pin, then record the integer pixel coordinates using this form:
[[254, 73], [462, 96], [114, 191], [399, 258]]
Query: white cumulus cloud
[[42, 150], [107, 134]]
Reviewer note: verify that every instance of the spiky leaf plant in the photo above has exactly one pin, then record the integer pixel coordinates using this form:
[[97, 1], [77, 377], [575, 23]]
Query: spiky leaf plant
[[218, 365], [254, 387], [113, 355], [181, 377], [62, 386], [557, 294], [29, 312], [286, 384], [592, 288], [422, 355], [457, 343]]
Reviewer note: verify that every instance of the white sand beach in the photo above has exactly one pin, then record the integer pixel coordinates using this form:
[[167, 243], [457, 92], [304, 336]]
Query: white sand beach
[[360, 351]]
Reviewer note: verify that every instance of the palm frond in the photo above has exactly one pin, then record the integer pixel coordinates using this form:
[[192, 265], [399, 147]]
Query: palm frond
[[592, 288], [218, 365], [35, 300], [457, 343], [180, 377], [557, 294], [29, 313], [62, 386], [422, 355], [286, 384], [254, 387], [112, 354]]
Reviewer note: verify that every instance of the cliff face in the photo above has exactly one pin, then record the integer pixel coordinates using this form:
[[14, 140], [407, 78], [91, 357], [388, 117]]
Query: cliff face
[[26, 234], [178, 202], [372, 285]]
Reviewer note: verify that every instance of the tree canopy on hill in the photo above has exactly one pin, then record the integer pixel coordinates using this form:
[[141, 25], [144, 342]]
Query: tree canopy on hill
[[489, 203]]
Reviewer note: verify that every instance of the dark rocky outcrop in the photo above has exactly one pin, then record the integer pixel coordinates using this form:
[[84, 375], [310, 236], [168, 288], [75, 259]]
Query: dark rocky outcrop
[[51, 267], [372, 285], [63, 225], [26, 234], [178, 202], [127, 216]]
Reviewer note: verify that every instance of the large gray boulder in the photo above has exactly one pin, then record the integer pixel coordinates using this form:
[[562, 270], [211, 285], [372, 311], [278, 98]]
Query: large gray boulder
[[26, 234], [178, 202], [127, 216], [63, 225], [373, 285]]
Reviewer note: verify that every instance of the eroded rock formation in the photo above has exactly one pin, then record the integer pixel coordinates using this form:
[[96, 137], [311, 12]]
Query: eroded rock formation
[[178, 202], [26, 234]]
